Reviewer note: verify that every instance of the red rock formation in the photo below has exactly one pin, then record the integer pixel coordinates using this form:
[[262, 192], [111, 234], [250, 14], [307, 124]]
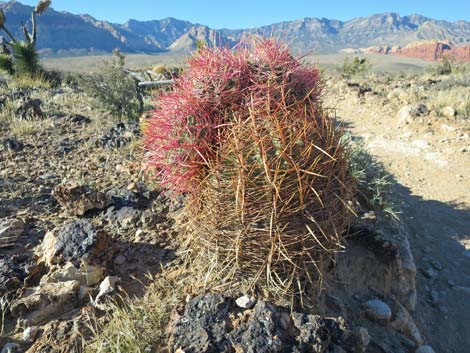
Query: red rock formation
[[426, 51]]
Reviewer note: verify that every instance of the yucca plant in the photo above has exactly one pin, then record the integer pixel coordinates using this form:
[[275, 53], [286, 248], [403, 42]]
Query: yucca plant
[[20, 57], [25, 58], [245, 136]]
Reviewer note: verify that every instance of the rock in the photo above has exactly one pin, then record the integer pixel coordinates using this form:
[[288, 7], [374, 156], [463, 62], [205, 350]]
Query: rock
[[12, 272], [377, 310], [123, 218], [356, 340], [10, 348], [409, 113], [215, 323], [12, 144], [203, 326], [316, 334], [60, 336], [46, 302], [430, 273], [77, 119], [117, 136], [434, 298], [78, 199], [425, 349], [262, 333], [107, 287], [437, 265], [404, 323], [30, 108], [87, 275], [30, 334], [448, 112], [10, 230], [120, 260], [76, 241], [246, 302]]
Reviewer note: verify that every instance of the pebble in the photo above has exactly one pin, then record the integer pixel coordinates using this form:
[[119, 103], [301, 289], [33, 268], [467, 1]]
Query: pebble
[[377, 310], [120, 260], [29, 335], [430, 273], [246, 302], [437, 265], [434, 297], [425, 349]]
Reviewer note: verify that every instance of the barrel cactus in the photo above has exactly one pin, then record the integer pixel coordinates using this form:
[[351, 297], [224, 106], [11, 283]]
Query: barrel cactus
[[244, 135]]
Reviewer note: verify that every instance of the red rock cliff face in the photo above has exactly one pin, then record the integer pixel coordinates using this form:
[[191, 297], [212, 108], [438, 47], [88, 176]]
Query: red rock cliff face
[[426, 51]]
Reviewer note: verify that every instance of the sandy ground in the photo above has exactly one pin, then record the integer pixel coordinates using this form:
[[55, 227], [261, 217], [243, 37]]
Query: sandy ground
[[430, 161]]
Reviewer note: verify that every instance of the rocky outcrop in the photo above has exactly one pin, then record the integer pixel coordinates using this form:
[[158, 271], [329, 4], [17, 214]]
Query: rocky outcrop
[[431, 51], [214, 323]]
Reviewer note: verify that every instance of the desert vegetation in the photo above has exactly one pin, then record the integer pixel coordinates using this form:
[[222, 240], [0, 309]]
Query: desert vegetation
[[252, 200]]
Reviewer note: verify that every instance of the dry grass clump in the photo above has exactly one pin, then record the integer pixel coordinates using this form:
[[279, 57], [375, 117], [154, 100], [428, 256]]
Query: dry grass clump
[[245, 135]]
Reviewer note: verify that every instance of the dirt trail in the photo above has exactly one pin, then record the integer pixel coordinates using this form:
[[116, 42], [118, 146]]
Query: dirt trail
[[431, 166]]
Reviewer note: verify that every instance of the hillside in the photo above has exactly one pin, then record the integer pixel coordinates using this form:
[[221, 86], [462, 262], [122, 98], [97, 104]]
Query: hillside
[[63, 33]]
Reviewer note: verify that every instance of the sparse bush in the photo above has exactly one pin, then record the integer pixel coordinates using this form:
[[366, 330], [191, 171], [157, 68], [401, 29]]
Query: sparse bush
[[444, 67], [356, 66], [245, 135], [114, 89], [373, 182]]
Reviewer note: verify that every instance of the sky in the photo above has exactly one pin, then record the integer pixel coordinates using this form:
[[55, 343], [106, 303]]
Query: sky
[[253, 13]]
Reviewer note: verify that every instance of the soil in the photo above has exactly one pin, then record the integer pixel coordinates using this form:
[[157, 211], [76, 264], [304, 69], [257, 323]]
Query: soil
[[430, 162]]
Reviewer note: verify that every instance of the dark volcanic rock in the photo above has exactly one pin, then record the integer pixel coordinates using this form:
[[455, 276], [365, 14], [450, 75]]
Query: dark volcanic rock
[[76, 241], [77, 119], [30, 107], [204, 325], [11, 274], [12, 144], [214, 323], [263, 333], [118, 136]]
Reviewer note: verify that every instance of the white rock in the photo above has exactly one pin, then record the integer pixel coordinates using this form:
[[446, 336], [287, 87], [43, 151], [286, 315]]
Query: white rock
[[106, 287], [87, 275], [246, 302], [409, 113], [29, 335], [10, 230], [425, 349], [448, 111]]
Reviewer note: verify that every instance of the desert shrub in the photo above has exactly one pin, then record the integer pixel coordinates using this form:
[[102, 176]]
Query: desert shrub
[[114, 89], [356, 66], [373, 182], [159, 69], [444, 67], [244, 134]]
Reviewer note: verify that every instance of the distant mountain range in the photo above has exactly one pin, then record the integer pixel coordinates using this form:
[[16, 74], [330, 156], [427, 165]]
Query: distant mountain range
[[63, 33]]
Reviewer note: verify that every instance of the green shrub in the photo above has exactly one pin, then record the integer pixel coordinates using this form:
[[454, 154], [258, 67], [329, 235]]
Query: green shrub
[[114, 89], [25, 58], [356, 66]]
